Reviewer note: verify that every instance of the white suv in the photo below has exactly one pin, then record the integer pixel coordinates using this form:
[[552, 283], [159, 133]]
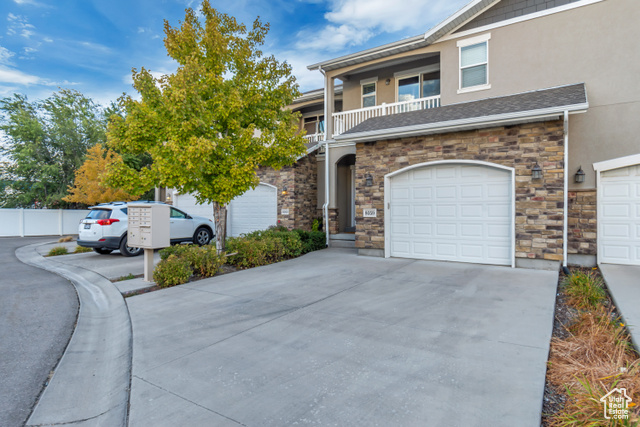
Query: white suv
[[105, 229]]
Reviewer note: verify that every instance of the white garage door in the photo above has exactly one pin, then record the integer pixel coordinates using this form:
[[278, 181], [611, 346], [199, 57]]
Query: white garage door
[[254, 210], [619, 216], [452, 212], [189, 204]]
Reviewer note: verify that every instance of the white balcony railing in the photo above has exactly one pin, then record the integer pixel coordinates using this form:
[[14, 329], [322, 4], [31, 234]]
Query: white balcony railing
[[346, 120], [314, 138]]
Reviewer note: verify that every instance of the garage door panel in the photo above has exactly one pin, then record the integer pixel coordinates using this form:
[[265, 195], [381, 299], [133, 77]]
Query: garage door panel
[[499, 210], [472, 251], [472, 211], [498, 190], [401, 193], [445, 230], [498, 231], [471, 230], [619, 216], [401, 228], [446, 192], [617, 210], [254, 210], [422, 211], [471, 191], [616, 189], [446, 250], [422, 229], [445, 172], [459, 212], [420, 175], [422, 193], [401, 210], [445, 211]]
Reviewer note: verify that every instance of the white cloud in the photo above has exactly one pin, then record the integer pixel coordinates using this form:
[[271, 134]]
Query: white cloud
[[18, 24], [333, 38], [12, 76], [353, 22], [417, 15], [31, 3], [5, 56]]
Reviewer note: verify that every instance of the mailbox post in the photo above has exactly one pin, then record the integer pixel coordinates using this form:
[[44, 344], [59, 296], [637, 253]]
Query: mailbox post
[[148, 229]]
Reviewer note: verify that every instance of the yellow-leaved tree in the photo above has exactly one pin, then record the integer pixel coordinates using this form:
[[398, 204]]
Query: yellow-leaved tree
[[209, 125], [88, 187]]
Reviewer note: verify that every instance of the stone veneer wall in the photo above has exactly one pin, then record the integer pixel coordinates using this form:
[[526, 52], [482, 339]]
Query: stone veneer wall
[[301, 199], [539, 204], [582, 222]]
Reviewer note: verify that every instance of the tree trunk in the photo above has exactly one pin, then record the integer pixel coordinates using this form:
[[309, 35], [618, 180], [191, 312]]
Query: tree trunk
[[220, 216]]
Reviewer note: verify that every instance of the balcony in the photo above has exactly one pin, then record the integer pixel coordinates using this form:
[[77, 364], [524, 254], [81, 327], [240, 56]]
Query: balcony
[[313, 139], [346, 120]]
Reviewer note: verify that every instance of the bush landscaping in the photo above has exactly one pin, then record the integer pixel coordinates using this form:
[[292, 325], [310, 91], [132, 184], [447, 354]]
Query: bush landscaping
[[272, 245], [180, 263]]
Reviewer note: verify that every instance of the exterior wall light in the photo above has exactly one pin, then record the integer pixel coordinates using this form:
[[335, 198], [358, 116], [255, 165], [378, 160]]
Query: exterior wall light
[[580, 175], [368, 180], [536, 172], [387, 82], [284, 191]]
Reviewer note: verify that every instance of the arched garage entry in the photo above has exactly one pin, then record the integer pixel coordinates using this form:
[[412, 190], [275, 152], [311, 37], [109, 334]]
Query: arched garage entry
[[451, 211]]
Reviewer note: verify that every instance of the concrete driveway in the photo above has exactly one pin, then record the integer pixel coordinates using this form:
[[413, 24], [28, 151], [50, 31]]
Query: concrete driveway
[[335, 339]]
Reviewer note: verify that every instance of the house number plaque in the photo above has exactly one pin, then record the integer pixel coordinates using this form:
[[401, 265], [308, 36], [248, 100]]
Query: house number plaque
[[369, 213]]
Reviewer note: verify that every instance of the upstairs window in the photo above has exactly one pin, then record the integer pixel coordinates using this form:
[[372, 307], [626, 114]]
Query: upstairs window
[[368, 92], [474, 63], [417, 83]]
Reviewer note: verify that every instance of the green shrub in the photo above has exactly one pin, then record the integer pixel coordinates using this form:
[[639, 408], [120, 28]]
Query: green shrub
[[254, 251], [205, 260], [172, 271], [585, 290], [311, 241], [272, 245], [58, 250], [81, 250], [177, 250]]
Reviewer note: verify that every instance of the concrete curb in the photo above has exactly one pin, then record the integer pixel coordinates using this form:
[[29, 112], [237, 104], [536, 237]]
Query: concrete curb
[[91, 383]]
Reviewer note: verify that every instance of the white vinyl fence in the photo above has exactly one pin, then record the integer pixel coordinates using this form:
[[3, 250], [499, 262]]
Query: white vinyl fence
[[39, 222]]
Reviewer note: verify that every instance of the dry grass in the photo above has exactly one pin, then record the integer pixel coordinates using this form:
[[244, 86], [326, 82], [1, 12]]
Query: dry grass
[[65, 239], [595, 358]]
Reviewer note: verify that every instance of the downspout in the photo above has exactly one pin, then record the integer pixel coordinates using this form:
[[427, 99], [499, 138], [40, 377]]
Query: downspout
[[565, 226], [325, 206]]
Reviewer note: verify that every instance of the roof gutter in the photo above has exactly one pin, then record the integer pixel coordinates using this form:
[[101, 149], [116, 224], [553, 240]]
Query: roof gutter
[[462, 124]]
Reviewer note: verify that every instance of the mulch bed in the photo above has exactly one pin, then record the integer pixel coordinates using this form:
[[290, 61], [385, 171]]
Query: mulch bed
[[555, 398]]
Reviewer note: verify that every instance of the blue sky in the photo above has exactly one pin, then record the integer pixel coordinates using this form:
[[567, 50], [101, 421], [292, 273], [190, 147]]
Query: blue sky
[[91, 45]]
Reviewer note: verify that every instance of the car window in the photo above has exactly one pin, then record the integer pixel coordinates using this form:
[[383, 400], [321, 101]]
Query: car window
[[99, 214], [124, 211], [175, 213]]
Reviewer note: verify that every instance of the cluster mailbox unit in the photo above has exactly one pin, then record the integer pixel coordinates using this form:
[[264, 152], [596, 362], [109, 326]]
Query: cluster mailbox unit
[[148, 229]]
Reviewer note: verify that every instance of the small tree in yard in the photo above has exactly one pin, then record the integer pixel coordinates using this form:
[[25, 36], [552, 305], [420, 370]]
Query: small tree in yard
[[212, 123], [88, 186]]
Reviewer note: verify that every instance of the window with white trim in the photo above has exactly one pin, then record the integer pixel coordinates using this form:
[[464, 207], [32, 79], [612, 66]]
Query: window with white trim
[[368, 92], [474, 63]]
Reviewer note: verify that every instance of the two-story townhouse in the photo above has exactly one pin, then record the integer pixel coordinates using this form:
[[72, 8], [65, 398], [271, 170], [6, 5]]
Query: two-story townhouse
[[507, 134]]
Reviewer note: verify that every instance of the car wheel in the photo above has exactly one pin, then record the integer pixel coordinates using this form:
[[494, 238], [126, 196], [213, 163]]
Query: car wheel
[[103, 251], [128, 250], [202, 236]]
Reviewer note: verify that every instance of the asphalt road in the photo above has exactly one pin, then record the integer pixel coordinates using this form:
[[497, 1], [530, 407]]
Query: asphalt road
[[38, 311]]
